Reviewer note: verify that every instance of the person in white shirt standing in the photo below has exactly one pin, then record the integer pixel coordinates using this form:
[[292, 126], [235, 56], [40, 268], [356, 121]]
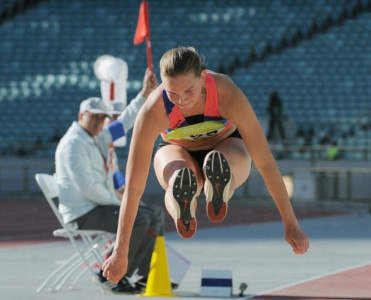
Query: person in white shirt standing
[[87, 196]]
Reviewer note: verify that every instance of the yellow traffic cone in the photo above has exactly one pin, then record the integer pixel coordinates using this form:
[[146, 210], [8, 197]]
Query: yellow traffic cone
[[158, 283]]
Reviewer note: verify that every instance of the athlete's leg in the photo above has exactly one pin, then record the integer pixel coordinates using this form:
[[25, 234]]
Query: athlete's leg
[[238, 158], [225, 169], [181, 177], [171, 158]]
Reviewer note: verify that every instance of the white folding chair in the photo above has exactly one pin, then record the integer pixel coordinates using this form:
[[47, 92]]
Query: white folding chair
[[89, 252]]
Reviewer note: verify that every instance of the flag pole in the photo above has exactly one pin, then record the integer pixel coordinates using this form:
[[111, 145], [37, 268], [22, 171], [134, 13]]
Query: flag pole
[[148, 38], [149, 54], [142, 31]]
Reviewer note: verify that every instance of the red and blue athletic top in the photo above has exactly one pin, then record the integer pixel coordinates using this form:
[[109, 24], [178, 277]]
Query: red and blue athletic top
[[199, 129]]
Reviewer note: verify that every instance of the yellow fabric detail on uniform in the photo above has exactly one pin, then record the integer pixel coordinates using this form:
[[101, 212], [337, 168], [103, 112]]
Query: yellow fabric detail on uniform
[[196, 132]]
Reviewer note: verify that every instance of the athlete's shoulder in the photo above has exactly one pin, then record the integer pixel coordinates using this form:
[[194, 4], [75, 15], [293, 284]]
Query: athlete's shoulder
[[223, 82], [217, 75], [154, 108], [220, 78], [155, 96]]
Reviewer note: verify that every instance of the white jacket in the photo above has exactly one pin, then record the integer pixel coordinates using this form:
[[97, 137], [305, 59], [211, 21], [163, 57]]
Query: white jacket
[[83, 179]]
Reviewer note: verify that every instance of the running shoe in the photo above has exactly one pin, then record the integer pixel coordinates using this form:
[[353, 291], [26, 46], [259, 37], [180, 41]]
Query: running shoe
[[218, 179], [184, 196], [123, 286]]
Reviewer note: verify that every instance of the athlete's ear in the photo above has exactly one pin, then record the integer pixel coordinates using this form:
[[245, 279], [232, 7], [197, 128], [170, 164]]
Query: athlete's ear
[[203, 76]]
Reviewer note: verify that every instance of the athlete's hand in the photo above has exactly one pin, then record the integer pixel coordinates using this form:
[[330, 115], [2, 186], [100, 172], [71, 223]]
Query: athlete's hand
[[114, 268], [297, 239]]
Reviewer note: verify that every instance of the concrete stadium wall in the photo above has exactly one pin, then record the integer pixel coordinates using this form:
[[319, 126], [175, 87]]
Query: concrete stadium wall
[[313, 181]]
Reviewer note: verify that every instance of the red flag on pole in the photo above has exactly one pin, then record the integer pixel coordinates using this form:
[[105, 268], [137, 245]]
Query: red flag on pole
[[142, 31]]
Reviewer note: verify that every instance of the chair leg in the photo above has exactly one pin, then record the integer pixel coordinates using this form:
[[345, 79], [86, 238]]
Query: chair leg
[[67, 274], [55, 273], [91, 254]]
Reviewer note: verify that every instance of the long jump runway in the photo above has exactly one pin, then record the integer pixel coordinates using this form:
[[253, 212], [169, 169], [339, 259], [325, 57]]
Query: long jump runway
[[351, 284], [337, 265]]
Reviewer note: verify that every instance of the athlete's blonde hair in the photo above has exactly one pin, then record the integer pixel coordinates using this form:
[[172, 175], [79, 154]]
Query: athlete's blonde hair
[[181, 60]]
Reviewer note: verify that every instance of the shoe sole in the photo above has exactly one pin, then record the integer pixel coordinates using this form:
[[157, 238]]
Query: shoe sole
[[218, 177], [184, 197]]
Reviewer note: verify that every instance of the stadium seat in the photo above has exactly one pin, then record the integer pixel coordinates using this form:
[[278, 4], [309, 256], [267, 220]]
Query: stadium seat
[[48, 52]]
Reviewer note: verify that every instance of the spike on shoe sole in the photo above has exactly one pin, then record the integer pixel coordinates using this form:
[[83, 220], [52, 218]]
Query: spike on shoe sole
[[184, 197]]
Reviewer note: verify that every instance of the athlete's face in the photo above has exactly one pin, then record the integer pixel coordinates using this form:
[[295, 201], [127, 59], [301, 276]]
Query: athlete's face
[[185, 90]]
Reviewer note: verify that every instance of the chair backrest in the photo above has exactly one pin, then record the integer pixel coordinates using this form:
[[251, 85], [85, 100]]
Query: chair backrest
[[49, 187]]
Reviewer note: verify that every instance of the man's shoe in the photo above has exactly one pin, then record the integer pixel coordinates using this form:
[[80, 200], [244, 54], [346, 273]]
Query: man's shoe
[[184, 198], [123, 286], [218, 180], [174, 286], [107, 285]]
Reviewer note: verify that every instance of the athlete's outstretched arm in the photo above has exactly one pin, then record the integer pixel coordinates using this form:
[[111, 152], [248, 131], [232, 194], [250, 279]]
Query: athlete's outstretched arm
[[150, 121], [235, 106]]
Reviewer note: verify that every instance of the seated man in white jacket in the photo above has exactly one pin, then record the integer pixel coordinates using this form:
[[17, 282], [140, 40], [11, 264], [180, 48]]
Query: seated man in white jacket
[[87, 196]]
